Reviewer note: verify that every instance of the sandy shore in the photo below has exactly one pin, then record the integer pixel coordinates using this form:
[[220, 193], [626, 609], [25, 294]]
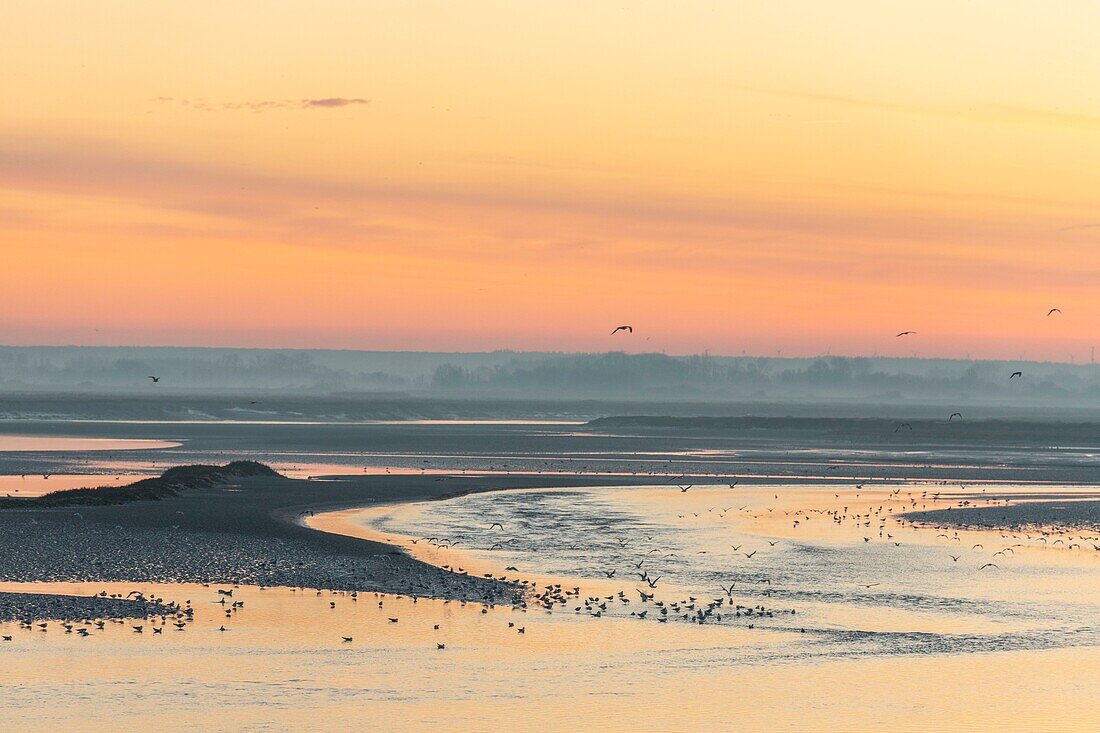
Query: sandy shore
[[251, 532], [1077, 513], [248, 533], [29, 607]]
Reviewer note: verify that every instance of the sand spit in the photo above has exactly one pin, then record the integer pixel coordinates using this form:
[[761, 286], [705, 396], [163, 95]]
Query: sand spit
[[28, 607], [240, 530], [1057, 516]]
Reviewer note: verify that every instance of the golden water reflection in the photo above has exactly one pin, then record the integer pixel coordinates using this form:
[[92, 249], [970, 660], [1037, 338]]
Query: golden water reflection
[[282, 663]]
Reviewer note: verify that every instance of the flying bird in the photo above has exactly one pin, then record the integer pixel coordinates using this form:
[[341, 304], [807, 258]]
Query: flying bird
[[1052, 311], [906, 333], [155, 379], [1015, 374], [630, 329], [954, 415]]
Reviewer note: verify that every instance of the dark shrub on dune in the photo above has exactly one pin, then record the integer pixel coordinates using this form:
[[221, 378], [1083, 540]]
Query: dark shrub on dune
[[169, 483]]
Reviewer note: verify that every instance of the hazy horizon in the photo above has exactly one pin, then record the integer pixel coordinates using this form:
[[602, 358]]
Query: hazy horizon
[[617, 376]]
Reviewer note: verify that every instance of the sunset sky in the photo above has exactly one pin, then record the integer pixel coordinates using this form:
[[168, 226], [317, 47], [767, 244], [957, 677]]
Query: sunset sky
[[807, 177]]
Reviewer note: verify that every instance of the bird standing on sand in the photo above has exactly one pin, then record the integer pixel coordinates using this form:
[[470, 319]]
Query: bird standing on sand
[[629, 329]]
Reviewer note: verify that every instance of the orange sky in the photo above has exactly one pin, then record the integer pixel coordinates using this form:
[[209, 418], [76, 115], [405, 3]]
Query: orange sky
[[798, 176]]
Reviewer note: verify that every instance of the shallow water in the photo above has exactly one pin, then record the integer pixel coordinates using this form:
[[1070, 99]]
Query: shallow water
[[860, 582], [50, 444], [31, 485], [931, 639]]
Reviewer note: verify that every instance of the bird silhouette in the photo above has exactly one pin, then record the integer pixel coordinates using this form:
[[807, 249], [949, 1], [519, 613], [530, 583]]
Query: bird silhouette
[[906, 333], [629, 329], [954, 415], [1015, 374], [155, 379], [1052, 311]]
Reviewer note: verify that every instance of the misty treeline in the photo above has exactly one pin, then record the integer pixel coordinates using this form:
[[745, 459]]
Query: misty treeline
[[776, 379], [507, 373]]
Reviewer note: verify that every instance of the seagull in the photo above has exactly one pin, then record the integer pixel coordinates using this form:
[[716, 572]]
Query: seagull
[[954, 415], [155, 379], [496, 524], [906, 333], [347, 639], [1015, 374], [903, 425], [684, 489], [988, 565], [629, 329], [1052, 311]]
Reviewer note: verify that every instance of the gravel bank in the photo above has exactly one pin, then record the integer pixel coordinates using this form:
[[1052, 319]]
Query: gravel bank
[[45, 607]]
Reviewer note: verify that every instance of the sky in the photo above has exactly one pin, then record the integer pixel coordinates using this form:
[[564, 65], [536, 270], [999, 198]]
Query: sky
[[734, 177]]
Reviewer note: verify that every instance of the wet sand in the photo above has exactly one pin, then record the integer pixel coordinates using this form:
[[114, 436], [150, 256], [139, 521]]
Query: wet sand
[[253, 533], [282, 662], [34, 607], [1069, 514], [250, 533]]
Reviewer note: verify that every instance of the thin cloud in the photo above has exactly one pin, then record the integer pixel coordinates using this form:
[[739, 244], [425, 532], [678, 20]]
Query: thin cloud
[[334, 102], [264, 105]]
